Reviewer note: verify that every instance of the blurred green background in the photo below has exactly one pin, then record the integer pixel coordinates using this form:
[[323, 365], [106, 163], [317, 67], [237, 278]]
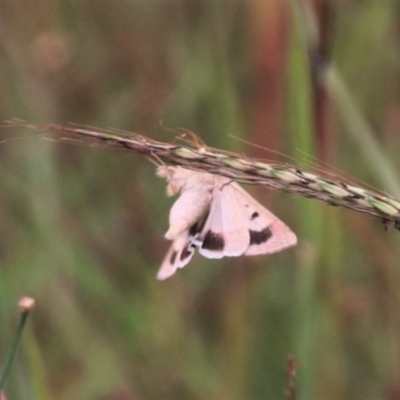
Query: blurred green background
[[81, 229]]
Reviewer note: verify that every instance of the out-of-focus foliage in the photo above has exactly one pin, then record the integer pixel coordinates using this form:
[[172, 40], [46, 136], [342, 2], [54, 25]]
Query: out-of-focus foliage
[[81, 229]]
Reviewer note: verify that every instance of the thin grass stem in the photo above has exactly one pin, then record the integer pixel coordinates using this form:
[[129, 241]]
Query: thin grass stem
[[26, 304], [284, 177]]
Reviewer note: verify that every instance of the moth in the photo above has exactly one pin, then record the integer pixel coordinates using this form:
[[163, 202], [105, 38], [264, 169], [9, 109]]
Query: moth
[[219, 218]]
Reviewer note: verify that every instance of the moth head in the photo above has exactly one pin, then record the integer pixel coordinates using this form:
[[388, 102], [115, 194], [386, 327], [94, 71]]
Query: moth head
[[175, 176]]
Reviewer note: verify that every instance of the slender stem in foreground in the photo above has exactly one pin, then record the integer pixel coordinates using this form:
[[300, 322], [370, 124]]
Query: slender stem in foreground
[[277, 176], [26, 304]]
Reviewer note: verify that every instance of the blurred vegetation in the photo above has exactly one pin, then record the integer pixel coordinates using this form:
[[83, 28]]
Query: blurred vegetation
[[82, 228]]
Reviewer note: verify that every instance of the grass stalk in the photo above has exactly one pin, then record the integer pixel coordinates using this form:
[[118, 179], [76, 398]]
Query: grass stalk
[[26, 305], [276, 176]]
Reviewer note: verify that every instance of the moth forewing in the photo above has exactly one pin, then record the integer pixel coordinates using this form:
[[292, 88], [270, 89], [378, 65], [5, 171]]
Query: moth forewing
[[276, 237], [225, 232], [238, 224], [179, 254], [187, 210], [268, 234]]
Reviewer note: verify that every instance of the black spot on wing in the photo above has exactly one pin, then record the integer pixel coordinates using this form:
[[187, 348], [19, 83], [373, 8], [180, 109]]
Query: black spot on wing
[[173, 257], [254, 215], [213, 241], [259, 237], [186, 252]]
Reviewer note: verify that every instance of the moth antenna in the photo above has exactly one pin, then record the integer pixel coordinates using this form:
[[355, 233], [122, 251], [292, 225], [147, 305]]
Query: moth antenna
[[274, 152], [168, 129], [193, 137], [183, 133]]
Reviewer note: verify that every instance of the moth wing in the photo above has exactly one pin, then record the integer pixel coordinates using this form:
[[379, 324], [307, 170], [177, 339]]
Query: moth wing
[[190, 206], [179, 254], [268, 234], [225, 231]]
